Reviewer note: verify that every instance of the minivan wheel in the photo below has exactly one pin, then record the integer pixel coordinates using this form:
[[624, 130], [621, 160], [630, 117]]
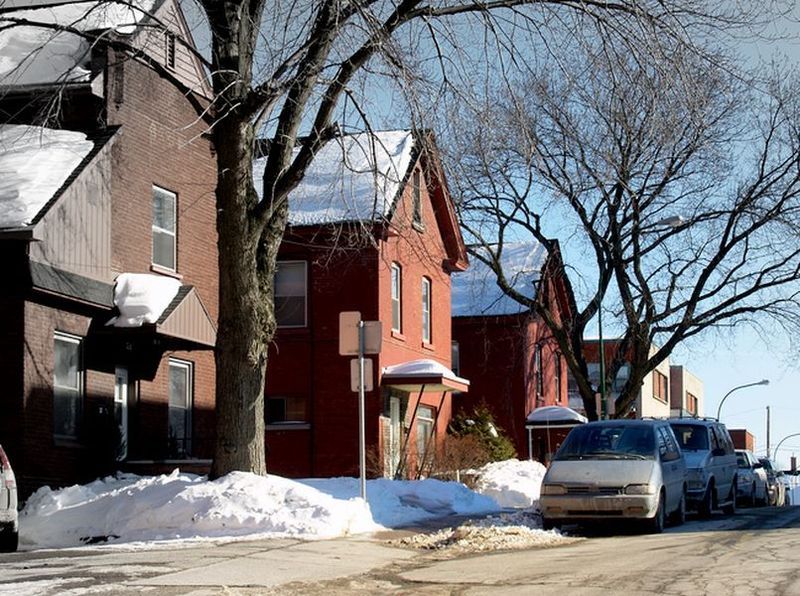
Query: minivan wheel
[[656, 525], [679, 515], [549, 524], [707, 504], [9, 540], [730, 508]]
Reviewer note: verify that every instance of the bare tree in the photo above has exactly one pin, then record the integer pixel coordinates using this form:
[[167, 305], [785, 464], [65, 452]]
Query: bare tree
[[287, 68], [672, 179]]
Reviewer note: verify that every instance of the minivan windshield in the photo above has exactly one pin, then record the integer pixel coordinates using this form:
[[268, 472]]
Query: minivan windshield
[[691, 437], [622, 441]]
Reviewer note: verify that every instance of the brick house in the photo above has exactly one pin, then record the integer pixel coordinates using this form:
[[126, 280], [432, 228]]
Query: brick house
[[120, 182], [372, 229], [508, 354]]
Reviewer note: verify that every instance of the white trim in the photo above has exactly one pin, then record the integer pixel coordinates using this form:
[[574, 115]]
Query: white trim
[[426, 309], [158, 229], [399, 297]]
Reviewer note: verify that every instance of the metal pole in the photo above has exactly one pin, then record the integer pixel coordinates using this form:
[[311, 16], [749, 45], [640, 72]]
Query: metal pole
[[761, 382], [767, 431], [778, 446], [362, 443]]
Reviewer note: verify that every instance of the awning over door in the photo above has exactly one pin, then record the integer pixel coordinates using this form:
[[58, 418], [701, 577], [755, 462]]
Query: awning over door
[[554, 417], [422, 375]]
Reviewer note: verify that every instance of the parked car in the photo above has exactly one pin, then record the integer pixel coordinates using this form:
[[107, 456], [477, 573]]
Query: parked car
[[9, 519], [616, 469], [752, 484], [777, 491], [710, 462]]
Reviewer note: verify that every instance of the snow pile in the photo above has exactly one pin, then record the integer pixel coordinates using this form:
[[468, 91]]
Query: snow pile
[[352, 178], [142, 298], [34, 163], [476, 293], [519, 530], [36, 55], [179, 506], [512, 483]]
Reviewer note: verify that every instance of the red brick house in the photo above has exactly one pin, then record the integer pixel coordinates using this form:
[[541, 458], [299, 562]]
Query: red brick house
[[508, 354], [372, 230], [117, 184]]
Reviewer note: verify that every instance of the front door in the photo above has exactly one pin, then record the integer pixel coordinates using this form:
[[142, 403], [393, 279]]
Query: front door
[[121, 409], [395, 429]]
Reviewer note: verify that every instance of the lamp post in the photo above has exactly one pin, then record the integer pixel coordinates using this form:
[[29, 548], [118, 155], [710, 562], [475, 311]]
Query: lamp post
[[775, 453], [761, 382]]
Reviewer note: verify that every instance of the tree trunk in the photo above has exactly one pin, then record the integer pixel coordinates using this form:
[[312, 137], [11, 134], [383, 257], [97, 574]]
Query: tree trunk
[[246, 322]]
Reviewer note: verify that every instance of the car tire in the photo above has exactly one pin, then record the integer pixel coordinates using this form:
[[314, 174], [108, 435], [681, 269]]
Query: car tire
[[762, 502], [730, 508], [549, 524], [752, 500], [656, 525], [707, 504], [679, 515], [9, 540]]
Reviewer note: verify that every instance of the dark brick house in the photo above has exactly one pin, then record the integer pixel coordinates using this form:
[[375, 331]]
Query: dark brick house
[[120, 181], [372, 230], [508, 354]]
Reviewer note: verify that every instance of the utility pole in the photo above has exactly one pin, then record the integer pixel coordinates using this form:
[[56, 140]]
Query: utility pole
[[767, 431]]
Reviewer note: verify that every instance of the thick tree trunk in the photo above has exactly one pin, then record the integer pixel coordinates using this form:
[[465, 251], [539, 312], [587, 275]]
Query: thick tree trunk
[[246, 321]]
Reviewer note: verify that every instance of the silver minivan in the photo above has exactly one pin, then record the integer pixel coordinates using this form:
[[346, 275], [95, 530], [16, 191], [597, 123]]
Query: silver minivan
[[712, 473], [9, 519], [616, 469]]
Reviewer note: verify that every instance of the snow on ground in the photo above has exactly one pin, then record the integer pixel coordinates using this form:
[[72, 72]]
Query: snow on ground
[[141, 510], [512, 483]]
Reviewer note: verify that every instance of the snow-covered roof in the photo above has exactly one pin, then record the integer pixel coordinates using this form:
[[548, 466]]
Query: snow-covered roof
[[36, 55], [34, 163], [423, 372], [555, 415], [142, 298], [353, 178], [475, 292]]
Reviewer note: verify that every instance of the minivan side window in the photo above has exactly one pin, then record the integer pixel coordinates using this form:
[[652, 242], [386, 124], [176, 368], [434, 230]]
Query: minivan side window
[[715, 442], [667, 445]]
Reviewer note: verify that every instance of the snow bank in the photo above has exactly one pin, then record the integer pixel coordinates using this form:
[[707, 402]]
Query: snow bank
[[512, 483], [142, 298], [184, 507], [34, 163]]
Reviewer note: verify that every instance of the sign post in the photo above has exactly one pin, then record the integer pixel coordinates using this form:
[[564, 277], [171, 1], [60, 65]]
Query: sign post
[[358, 338]]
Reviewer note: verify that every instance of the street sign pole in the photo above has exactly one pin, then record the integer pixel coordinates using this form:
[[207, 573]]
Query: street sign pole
[[362, 443]]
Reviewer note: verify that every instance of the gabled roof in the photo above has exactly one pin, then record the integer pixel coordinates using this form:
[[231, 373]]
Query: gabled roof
[[36, 163], [354, 177], [475, 292], [36, 55]]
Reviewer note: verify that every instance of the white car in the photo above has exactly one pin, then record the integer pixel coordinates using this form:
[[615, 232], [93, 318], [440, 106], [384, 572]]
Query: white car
[[752, 485], [9, 519]]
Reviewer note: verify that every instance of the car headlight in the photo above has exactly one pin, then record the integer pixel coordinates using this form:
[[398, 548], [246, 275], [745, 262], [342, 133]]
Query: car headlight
[[554, 489], [640, 489]]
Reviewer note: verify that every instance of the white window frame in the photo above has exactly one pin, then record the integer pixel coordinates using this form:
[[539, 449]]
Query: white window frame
[[397, 297], [188, 366], [305, 293], [426, 310], [121, 386], [416, 198], [426, 419], [163, 231], [78, 391]]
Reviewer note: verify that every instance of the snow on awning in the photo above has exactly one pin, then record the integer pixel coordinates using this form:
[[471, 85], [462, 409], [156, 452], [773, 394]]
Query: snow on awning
[[554, 417], [163, 305], [354, 177], [35, 162], [422, 375]]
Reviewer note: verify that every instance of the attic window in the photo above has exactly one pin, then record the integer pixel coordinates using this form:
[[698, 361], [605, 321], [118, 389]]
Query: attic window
[[170, 50], [417, 197]]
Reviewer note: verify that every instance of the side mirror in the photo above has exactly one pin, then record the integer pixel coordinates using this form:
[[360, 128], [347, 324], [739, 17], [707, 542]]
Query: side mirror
[[757, 465]]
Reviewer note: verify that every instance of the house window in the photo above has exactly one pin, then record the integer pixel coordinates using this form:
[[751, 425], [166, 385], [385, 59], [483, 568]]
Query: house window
[[539, 373], [164, 228], [691, 404], [660, 391], [455, 358], [67, 385], [290, 294], [416, 191], [170, 50], [426, 310], [425, 418], [180, 407], [557, 373], [397, 283], [285, 409]]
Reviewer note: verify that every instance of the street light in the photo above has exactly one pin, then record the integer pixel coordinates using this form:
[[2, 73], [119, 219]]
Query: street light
[[761, 382], [775, 453]]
